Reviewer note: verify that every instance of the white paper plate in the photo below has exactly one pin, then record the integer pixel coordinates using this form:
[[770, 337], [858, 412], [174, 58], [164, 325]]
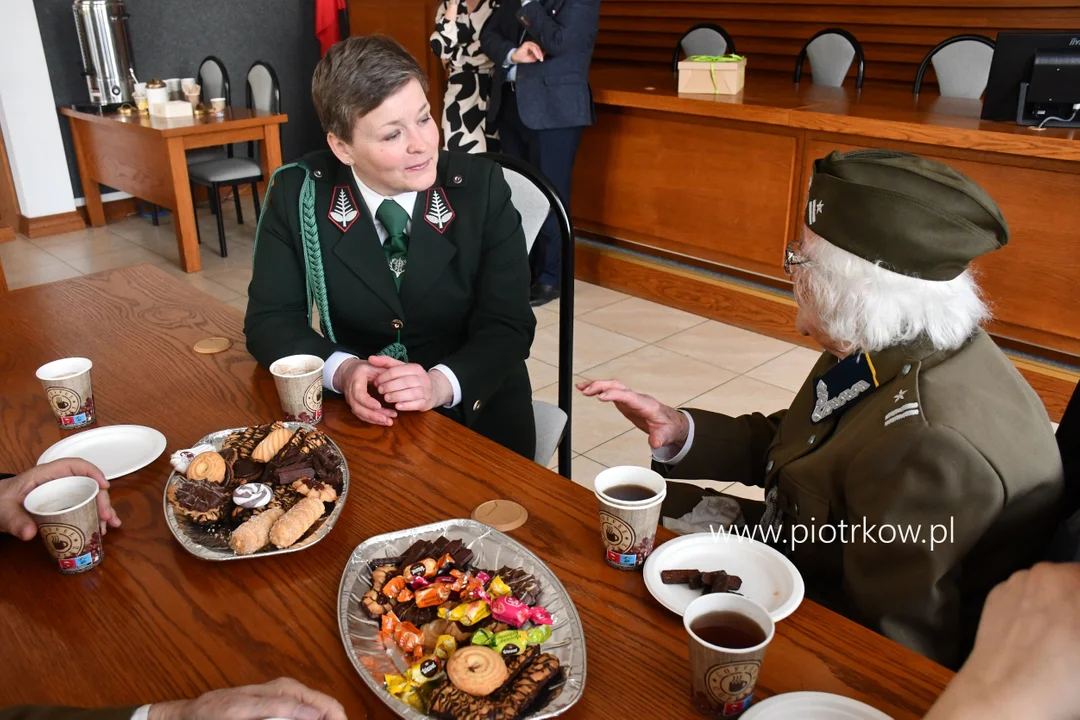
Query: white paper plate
[[117, 450], [812, 706], [768, 578]]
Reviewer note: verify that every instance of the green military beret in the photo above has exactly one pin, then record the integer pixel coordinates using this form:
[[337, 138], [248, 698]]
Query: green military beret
[[915, 216]]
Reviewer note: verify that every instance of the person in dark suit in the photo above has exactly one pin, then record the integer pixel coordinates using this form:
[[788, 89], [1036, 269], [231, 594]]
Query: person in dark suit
[[541, 101], [282, 698], [414, 258]]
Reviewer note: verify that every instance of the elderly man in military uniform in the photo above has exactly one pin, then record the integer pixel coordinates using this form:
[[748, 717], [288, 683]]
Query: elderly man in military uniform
[[911, 418]]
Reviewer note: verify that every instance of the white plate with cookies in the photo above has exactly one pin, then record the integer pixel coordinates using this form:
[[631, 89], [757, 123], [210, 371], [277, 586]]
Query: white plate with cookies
[[255, 491]]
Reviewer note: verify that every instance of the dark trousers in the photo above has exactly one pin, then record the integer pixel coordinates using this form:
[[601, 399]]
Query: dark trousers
[[552, 153]]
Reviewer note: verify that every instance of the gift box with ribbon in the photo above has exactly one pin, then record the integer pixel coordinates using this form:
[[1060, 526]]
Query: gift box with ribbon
[[712, 74]]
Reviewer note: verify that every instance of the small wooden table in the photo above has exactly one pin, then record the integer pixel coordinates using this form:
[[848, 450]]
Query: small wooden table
[[145, 156], [153, 622]]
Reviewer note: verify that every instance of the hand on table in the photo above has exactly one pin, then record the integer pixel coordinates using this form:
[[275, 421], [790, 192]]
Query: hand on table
[[282, 698], [665, 425], [528, 52], [354, 377], [13, 491], [1027, 651], [409, 387]]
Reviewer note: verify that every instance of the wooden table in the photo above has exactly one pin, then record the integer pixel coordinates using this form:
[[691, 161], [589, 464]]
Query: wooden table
[[154, 622], [720, 181], [145, 156]]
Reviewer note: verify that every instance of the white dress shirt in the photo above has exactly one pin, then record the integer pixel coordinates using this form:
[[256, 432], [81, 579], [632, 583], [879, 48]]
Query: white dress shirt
[[373, 200], [672, 454]]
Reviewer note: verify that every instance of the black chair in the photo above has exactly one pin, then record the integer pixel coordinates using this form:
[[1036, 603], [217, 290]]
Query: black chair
[[263, 93], [961, 64], [535, 197], [1066, 544], [831, 53], [702, 39]]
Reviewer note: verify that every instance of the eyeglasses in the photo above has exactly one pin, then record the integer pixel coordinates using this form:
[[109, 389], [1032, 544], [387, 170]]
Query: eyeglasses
[[793, 258]]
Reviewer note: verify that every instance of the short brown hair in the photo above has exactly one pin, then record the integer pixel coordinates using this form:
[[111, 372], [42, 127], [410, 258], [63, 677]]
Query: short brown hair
[[356, 76]]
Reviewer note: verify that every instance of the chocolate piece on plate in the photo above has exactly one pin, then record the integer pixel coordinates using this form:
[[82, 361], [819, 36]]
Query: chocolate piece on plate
[[676, 577], [289, 475], [696, 581]]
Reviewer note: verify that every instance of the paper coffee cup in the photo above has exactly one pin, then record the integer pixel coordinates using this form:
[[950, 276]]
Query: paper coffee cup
[[67, 386], [218, 104], [722, 679], [299, 385], [628, 527], [66, 514]]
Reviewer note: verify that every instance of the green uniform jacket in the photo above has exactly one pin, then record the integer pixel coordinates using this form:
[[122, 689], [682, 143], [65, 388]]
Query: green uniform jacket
[[33, 712], [464, 298], [957, 439]]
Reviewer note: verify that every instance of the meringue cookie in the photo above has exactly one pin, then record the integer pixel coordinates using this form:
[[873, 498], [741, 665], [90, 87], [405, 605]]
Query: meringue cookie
[[252, 495], [182, 458]]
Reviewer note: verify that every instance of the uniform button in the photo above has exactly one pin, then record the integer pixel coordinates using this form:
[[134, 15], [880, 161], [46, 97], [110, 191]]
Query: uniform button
[[905, 370], [476, 406], [397, 324], [317, 173], [810, 440], [458, 179], [769, 466]]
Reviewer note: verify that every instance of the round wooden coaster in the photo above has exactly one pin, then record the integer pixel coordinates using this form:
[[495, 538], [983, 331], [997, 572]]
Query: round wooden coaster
[[503, 515], [212, 345]]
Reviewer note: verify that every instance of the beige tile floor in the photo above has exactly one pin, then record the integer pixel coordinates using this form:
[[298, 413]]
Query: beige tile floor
[[680, 358]]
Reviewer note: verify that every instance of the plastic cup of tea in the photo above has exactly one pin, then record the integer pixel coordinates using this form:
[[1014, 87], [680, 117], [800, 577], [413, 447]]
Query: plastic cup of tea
[[299, 384], [630, 499], [66, 514], [728, 637], [67, 386]]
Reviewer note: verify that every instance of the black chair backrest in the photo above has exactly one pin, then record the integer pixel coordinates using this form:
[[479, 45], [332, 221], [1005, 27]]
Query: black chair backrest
[[941, 46], [860, 58], [213, 80], [263, 92], [566, 298], [1065, 546], [701, 29]]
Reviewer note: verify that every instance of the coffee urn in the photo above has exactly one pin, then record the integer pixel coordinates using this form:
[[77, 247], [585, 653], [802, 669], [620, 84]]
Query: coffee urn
[[108, 62]]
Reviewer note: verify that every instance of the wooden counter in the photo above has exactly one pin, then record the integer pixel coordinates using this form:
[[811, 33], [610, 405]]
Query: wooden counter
[[720, 183]]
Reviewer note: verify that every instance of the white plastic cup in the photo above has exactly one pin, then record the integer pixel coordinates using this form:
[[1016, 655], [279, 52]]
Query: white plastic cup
[[66, 514], [628, 527]]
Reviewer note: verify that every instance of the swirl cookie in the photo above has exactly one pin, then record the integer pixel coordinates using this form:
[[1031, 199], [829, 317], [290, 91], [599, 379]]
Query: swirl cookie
[[477, 670]]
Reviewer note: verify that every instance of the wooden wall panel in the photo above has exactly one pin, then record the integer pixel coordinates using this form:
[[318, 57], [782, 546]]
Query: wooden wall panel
[[665, 177], [895, 34], [411, 23]]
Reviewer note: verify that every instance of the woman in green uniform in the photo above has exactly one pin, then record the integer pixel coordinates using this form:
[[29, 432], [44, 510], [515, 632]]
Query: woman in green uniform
[[413, 258]]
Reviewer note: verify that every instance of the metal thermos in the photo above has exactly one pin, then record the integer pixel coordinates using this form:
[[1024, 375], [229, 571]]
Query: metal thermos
[[108, 62]]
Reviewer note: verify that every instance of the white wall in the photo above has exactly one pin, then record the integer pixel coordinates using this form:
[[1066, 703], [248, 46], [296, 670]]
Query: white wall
[[29, 117]]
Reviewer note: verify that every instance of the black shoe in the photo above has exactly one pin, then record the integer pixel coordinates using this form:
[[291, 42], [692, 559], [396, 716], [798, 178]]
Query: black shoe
[[542, 294]]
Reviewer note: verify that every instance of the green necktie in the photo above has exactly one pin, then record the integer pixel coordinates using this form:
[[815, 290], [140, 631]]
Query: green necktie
[[394, 219]]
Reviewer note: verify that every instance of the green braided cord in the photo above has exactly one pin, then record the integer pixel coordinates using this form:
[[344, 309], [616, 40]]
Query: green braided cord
[[395, 350], [316, 281]]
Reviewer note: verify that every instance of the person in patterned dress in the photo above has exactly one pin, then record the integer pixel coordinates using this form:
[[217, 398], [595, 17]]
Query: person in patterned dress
[[456, 41]]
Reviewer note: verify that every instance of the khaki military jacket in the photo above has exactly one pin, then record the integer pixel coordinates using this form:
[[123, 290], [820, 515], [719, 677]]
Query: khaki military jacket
[[953, 445]]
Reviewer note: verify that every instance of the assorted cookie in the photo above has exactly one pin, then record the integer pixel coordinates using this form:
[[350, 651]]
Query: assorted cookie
[[473, 637], [265, 488]]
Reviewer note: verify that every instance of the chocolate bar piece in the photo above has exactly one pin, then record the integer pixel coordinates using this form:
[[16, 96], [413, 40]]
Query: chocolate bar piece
[[707, 578], [721, 582], [525, 586], [696, 582], [529, 677], [515, 698], [289, 475], [676, 577]]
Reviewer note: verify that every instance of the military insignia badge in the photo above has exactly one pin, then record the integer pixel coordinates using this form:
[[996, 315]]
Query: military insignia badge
[[439, 214], [843, 386], [343, 211]]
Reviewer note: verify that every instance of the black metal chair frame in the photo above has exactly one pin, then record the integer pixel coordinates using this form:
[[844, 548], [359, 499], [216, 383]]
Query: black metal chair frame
[[917, 87], [214, 187], [860, 58], [566, 298], [700, 26]]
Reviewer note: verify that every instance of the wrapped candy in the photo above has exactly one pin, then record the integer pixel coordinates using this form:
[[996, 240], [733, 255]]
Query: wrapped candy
[[539, 616], [407, 692], [390, 623], [467, 613], [426, 568], [483, 636], [474, 590], [419, 582], [408, 636], [445, 646], [405, 596], [448, 579], [539, 634], [393, 587], [446, 561], [512, 642], [510, 610], [484, 577], [432, 595], [498, 588], [424, 670]]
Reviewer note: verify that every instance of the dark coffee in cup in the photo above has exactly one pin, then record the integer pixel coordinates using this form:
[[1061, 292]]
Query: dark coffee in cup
[[728, 629], [630, 493]]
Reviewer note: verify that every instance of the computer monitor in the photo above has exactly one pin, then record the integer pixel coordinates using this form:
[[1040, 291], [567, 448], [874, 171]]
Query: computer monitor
[[1014, 60]]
